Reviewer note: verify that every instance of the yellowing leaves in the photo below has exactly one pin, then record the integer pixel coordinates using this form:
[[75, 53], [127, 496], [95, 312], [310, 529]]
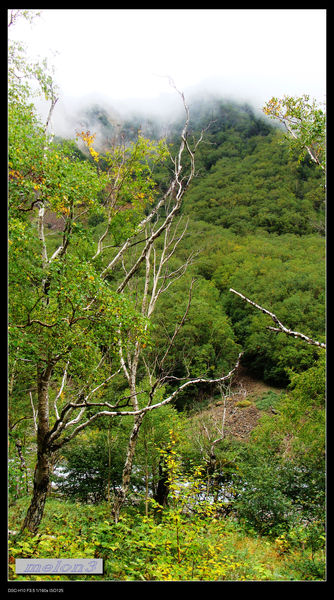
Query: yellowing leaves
[[94, 154], [88, 139], [13, 174]]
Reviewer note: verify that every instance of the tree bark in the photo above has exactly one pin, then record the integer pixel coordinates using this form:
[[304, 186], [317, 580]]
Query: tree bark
[[23, 466], [43, 465], [281, 327], [41, 483], [126, 475]]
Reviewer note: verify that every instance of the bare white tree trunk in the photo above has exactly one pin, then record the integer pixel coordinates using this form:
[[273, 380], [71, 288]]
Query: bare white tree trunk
[[157, 280]]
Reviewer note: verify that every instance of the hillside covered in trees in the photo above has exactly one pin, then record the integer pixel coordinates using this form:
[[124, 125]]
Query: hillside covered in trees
[[255, 216], [156, 274]]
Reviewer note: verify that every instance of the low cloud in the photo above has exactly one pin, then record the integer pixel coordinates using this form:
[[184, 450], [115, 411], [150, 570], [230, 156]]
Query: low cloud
[[105, 117]]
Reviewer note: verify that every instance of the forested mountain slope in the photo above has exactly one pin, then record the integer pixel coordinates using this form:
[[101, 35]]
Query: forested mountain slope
[[256, 223], [257, 186]]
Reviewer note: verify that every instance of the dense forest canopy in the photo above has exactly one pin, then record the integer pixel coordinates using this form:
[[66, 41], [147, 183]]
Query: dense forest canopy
[[124, 246]]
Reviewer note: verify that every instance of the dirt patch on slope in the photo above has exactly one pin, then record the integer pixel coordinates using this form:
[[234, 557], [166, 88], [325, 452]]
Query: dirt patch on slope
[[53, 222], [255, 388], [241, 413]]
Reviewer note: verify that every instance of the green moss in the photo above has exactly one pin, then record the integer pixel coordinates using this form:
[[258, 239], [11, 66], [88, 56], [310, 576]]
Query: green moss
[[243, 403]]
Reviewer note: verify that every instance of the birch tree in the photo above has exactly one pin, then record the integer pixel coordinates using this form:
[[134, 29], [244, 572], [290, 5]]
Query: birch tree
[[305, 123], [210, 431], [157, 279]]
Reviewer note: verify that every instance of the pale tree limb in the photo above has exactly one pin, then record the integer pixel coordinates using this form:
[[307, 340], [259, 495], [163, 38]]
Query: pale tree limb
[[63, 421], [152, 278], [140, 228], [60, 390], [175, 192], [54, 100], [149, 243], [304, 122], [149, 407], [156, 276], [112, 199], [308, 148], [41, 202], [281, 327], [40, 227], [33, 411], [209, 431]]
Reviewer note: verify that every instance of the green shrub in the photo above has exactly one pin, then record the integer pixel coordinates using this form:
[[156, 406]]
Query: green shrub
[[261, 503], [243, 403], [268, 400], [95, 219]]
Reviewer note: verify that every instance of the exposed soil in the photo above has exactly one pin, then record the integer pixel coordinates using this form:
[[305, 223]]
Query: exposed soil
[[255, 388], [53, 222], [240, 420]]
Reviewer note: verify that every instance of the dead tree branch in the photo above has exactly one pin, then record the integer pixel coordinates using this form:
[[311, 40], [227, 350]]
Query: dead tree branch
[[280, 327]]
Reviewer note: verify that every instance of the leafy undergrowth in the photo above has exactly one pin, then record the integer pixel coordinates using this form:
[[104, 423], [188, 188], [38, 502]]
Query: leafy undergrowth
[[170, 547]]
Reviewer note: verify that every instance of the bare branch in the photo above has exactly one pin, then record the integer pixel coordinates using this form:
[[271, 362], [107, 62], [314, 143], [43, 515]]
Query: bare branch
[[186, 384], [140, 228], [33, 411], [11, 427], [148, 245], [176, 190], [281, 327], [62, 421], [149, 406], [40, 225], [54, 101], [60, 390]]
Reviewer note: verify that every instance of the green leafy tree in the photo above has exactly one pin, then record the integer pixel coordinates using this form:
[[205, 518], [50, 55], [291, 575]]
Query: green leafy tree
[[90, 468], [305, 122], [62, 313]]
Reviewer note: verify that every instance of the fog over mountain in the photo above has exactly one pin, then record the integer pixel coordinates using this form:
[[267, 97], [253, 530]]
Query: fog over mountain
[[73, 113], [154, 116]]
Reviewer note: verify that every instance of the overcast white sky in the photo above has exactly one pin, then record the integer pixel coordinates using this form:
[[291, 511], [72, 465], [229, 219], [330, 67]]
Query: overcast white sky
[[252, 54]]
